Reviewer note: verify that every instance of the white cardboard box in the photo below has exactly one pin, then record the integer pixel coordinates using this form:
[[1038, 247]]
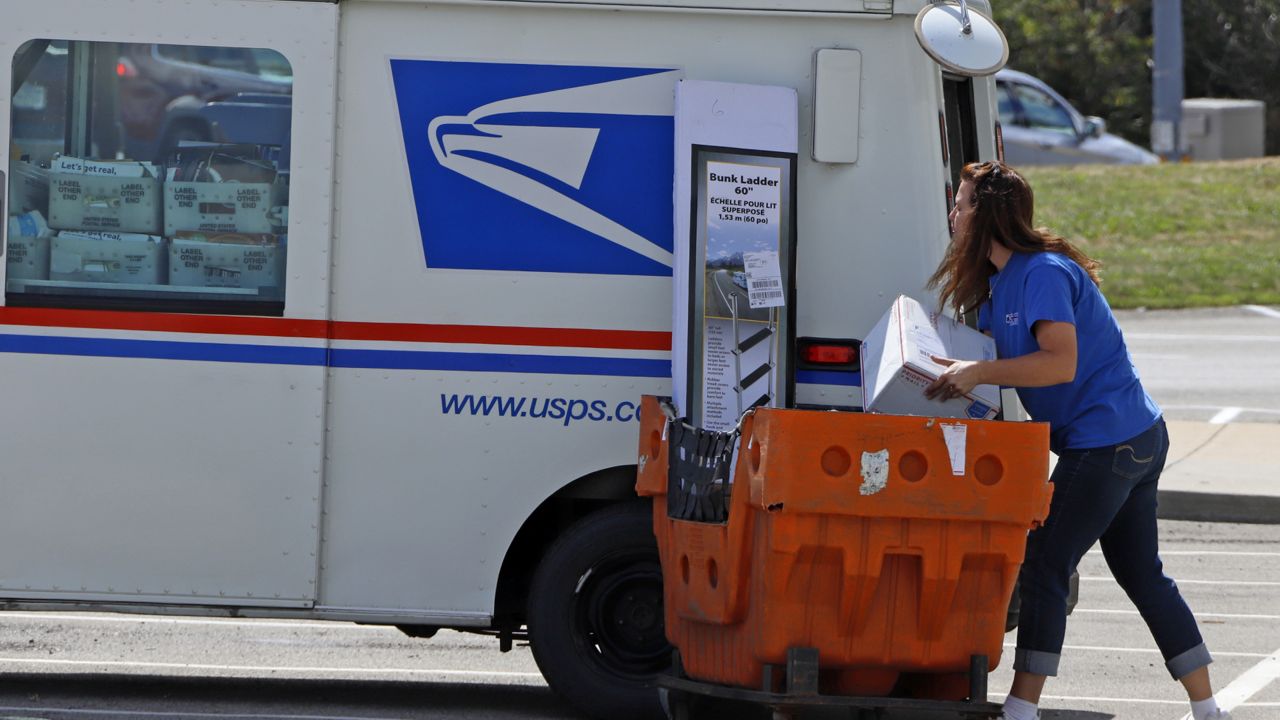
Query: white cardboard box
[[108, 258], [896, 363], [94, 203], [200, 263], [218, 207]]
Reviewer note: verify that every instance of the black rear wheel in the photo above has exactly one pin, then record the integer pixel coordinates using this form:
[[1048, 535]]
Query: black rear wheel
[[595, 614]]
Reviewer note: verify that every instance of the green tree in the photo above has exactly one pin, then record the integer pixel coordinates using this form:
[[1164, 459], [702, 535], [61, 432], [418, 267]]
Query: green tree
[[1098, 54], [1094, 52]]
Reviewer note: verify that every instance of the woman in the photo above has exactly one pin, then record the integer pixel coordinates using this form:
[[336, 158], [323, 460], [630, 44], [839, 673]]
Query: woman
[[1059, 345]]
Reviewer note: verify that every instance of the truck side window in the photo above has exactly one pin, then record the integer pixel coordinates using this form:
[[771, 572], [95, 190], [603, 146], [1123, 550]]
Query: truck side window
[[1004, 104], [962, 134], [1042, 111], [149, 177]]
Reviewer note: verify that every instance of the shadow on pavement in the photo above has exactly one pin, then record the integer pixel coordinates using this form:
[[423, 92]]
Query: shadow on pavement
[[55, 696], [76, 697]]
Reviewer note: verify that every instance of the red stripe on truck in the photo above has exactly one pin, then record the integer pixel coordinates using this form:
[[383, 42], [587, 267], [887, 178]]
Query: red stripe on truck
[[337, 330]]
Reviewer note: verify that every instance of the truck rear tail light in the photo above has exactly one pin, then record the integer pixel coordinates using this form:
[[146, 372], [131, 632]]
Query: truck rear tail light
[[125, 69], [999, 142], [827, 354], [951, 198]]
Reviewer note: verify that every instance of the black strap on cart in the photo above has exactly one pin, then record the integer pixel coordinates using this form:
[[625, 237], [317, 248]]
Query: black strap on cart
[[699, 466]]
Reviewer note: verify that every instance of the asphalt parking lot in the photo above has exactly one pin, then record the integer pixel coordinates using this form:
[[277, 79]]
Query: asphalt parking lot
[[82, 667], [1230, 576], [89, 666]]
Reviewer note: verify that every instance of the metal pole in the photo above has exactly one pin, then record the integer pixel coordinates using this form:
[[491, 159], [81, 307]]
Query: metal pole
[[79, 99], [1166, 79], [966, 26]]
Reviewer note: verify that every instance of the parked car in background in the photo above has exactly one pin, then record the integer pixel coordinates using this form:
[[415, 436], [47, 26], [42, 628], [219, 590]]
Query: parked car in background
[[162, 85], [1041, 128], [153, 98]]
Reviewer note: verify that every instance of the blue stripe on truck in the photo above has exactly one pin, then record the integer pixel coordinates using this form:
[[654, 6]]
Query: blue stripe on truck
[[341, 358], [496, 362], [162, 350]]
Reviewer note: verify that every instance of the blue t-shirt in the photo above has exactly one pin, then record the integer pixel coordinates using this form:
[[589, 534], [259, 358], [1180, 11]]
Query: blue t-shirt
[[1105, 403]]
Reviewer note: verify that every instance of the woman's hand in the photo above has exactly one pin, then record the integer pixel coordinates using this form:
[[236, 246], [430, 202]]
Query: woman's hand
[[960, 377]]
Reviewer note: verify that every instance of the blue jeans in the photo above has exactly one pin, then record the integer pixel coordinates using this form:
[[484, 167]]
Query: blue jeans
[[1106, 493]]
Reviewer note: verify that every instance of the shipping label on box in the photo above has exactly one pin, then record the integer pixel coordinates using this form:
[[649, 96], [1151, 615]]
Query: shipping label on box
[[897, 363], [27, 257], [200, 263], [108, 258], [104, 203], [219, 207]]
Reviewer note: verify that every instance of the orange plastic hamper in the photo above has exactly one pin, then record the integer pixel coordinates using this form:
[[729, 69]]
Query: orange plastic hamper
[[889, 543]]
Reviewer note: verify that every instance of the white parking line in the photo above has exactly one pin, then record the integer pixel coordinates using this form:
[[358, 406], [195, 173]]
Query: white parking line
[[1209, 337], [1248, 683], [1200, 552], [1225, 415], [1234, 583], [1229, 616], [1219, 407], [1090, 698], [996, 697], [1197, 553], [1146, 650], [1263, 311], [430, 672]]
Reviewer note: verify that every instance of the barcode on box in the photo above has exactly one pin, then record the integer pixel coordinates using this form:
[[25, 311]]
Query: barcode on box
[[770, 295], [766, 283]]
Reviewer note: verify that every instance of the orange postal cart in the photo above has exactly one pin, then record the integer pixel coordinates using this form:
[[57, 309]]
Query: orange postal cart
[[816, 558]]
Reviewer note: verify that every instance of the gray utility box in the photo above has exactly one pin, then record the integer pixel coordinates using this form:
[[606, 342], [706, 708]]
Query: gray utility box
[[1218, 129]]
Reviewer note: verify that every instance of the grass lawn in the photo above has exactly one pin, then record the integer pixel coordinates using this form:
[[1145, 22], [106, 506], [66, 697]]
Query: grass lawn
[[1171, 235]]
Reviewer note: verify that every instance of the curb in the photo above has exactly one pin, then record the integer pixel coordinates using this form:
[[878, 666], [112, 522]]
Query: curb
[[1218, 507]]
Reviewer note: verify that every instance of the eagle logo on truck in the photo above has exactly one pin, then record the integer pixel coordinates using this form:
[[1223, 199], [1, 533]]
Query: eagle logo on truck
[[541, 168]]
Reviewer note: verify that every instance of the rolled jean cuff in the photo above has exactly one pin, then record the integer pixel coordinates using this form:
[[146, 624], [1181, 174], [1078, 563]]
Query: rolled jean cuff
[[1037, 662], [1189, 661]]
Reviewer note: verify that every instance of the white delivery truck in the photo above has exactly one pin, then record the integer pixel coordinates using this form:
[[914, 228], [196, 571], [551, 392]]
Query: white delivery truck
[[342, 310]]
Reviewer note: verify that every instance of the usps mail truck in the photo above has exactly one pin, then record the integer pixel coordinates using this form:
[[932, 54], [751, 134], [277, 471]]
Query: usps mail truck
[[343, 310]]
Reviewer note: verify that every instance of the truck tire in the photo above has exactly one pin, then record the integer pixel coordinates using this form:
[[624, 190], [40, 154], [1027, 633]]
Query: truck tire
[[595, 615]]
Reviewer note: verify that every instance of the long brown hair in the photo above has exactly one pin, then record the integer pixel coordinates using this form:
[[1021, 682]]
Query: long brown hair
[[1003, 208]]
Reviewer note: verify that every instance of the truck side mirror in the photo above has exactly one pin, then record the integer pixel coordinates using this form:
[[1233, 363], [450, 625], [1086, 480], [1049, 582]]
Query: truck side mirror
[[1094, 126]]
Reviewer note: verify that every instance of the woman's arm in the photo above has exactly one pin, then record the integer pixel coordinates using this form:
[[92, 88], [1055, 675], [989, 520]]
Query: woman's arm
[[1052, 364]]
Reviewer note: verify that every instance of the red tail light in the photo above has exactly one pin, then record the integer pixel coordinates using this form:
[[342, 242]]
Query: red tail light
[[951, 198], [829, 354], [999, 142], [125, 69]]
